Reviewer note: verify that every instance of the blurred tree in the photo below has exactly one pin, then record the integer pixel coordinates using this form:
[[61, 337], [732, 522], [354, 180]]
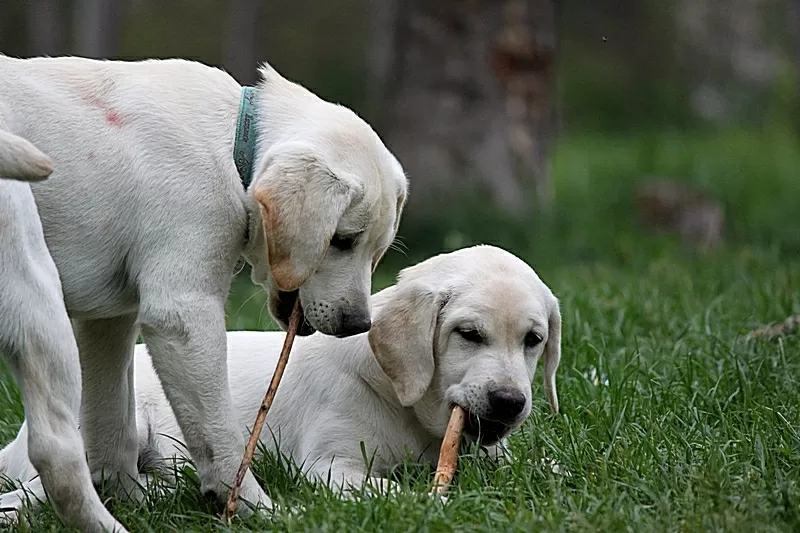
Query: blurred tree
[[13, 27], [45, 27], [465, 94], [794, 6], [242, 43], [97, 27], [618, 70], [729, 56]]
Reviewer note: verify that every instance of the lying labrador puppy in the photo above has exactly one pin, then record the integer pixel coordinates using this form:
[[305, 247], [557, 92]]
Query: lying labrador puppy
[[151, 206], [37, 341], [464, 328]]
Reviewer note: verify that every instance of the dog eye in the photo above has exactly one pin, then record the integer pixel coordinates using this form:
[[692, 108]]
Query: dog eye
[[471, 335], [340, 242], [532, 339]]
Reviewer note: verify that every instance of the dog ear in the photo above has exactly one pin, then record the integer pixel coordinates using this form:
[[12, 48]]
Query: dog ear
[[402, 338], [401, 203], [552, 356], [301, 202]]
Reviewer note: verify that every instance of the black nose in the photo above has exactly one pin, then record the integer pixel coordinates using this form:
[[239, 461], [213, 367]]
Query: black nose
[[353, 324], [506, 403]]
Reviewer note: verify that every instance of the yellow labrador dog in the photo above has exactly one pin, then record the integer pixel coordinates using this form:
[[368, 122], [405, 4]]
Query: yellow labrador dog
[[166, 173], [464, 328]]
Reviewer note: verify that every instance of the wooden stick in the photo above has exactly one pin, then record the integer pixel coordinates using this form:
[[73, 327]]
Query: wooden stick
[[448, 453], [291, 332]]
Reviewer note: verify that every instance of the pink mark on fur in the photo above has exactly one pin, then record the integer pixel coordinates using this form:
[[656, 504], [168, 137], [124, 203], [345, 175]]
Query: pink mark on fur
[[113, 118]]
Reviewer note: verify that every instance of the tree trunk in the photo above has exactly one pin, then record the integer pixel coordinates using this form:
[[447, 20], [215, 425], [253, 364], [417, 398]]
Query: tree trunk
[[729, 57], [3, 21], [794, 8], [13, 28], [242, 43], [45, 29], [97, 26], [466, 95]]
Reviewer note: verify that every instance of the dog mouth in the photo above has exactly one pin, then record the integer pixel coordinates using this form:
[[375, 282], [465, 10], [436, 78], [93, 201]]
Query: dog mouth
[[283, 311], [484, 431]]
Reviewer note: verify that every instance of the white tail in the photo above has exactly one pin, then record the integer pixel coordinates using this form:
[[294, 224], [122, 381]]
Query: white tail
[[20, 160]]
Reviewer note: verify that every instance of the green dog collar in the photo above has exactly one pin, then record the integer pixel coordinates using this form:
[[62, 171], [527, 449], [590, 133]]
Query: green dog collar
[[244, 148]]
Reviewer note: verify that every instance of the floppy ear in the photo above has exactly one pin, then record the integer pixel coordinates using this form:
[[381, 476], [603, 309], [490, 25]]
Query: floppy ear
[[402, 338], [301, 202], [401, 203], [552, 356]]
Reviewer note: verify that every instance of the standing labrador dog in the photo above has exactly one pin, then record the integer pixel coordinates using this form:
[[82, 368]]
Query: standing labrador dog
[[36, 339], [464, 328], [146, 215]]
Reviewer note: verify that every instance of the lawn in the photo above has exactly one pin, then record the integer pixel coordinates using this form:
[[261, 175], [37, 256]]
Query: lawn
[[671, 419]]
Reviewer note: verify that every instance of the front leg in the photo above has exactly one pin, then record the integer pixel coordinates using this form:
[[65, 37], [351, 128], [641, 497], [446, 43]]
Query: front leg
[[185, 335], [348, 476]]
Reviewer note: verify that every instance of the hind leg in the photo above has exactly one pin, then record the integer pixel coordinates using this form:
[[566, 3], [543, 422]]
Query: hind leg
[[48, 374], [37, 339], [108, 409]]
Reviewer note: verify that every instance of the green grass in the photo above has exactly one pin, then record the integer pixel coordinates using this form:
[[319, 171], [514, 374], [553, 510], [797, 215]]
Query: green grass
[[698, 427]]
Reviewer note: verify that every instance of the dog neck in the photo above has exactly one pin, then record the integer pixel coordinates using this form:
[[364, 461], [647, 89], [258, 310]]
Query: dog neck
[[363, 363], [277, 103], [366, 366]]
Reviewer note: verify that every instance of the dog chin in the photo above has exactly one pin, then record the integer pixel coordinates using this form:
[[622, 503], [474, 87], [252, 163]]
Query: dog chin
[[485, 432], [282, 311]]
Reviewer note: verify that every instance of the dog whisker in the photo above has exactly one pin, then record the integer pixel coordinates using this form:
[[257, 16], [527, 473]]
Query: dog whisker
[[255, 293]]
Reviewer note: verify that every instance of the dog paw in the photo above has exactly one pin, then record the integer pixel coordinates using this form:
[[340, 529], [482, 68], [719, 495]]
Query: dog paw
[[9, 518], [295, 511], [438, 496], [554, 467], [253, 500], [11, 505], [121, 487]]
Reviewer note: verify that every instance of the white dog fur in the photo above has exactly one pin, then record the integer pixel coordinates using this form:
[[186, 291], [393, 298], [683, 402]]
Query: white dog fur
[[36, 339], [145, 217], [465, 328]]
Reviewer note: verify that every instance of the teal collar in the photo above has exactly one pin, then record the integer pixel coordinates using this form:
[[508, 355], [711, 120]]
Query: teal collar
[[244, 148]]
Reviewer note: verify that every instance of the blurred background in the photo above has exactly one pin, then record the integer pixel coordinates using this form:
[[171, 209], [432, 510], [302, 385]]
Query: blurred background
[[570, 132]]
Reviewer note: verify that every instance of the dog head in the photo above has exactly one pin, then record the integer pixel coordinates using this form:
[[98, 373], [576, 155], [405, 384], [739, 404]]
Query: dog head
[[329, 195], [467, 328]]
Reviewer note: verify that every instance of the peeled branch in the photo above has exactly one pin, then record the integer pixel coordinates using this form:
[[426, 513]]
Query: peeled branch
[[250, 450], [448, 453]]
